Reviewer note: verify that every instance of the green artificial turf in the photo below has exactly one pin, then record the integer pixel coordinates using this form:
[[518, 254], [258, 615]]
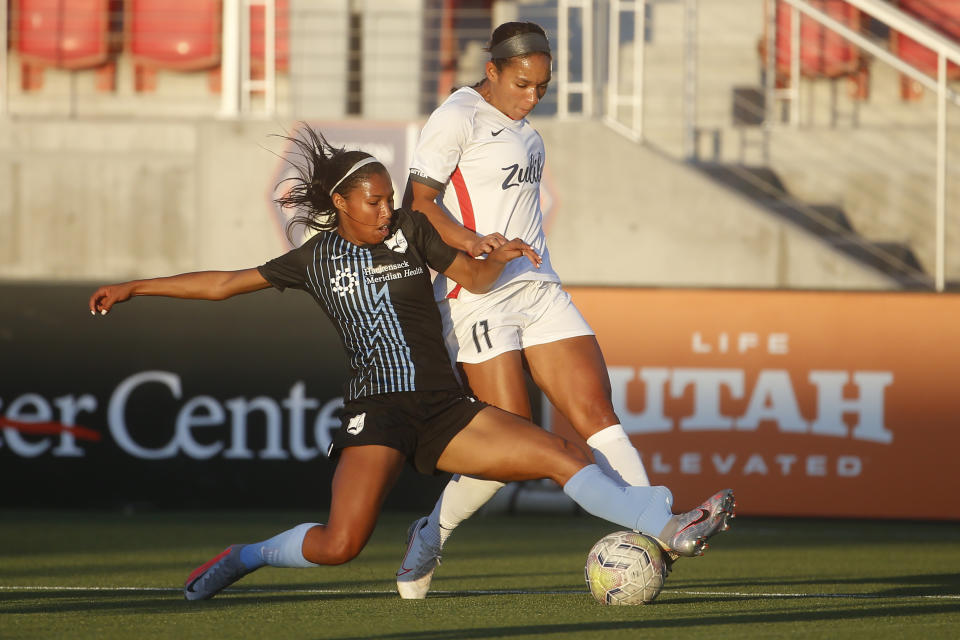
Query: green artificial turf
[[73, 574]]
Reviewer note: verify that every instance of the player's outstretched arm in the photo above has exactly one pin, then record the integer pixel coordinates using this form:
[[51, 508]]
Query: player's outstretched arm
[[477, 276], [199, 285]]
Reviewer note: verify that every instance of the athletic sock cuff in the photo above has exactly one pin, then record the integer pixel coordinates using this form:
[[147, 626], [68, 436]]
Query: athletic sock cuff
[[606, 435]]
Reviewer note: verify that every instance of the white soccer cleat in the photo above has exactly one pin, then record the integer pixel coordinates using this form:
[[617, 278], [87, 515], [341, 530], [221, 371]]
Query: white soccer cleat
[[419, 562]]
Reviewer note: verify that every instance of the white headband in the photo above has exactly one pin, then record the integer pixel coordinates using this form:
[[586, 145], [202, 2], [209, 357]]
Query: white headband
[[362, 163]]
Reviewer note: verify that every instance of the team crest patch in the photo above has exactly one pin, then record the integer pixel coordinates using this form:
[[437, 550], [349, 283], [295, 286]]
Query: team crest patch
[[397, 242], [343, 282], [355, 425]]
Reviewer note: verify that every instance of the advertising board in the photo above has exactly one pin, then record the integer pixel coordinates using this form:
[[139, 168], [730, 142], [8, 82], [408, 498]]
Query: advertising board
[[806, 403]]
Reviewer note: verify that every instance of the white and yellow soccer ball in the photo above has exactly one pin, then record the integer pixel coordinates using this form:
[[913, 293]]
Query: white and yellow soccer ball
[[625, 568]]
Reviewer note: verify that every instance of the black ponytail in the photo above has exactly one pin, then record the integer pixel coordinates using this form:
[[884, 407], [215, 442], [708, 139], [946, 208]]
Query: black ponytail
[[320, 167]]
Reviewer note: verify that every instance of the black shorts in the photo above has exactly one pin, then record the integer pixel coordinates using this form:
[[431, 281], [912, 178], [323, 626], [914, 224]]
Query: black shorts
[[419, 424]]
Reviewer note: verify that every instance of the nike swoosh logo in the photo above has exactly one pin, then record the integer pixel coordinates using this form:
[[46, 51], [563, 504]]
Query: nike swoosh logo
[[402, 571], [342, 255], [704, 514], [496, 133]]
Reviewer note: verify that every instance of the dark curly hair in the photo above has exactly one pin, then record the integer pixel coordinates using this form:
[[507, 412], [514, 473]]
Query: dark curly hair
[[319, 166]]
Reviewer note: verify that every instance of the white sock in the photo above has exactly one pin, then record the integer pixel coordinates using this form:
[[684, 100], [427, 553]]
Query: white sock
[[460, 499], [643, 509], [617, 456], [286, 549]]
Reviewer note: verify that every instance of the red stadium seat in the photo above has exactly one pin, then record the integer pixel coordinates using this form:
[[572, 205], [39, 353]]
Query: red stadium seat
[[258, 40], [823, 52], [64, 34], [174, 34], [940, 15], [182, 35], [67, 34]]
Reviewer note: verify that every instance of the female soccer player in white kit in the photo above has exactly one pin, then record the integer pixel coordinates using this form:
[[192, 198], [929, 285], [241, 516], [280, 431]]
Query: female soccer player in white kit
[[476, 174]]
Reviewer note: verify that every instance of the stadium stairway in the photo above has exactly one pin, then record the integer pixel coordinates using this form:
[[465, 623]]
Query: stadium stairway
[[829, 222]]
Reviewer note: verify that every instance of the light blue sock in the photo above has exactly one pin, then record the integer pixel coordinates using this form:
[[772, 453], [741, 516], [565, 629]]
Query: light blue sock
[[643, 509], [282, 550]]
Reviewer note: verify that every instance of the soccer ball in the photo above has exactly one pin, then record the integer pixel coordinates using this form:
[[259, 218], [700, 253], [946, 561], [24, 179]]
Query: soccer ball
[[625, 567]]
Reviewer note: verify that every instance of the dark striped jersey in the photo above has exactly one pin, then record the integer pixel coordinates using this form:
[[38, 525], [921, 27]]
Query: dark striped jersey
[[380, 300]]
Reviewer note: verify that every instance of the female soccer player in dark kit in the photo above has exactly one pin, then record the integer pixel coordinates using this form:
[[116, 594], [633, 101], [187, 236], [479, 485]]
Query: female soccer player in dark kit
[[367, 266]]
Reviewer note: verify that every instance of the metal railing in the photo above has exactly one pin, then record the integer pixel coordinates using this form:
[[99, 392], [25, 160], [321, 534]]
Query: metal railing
[[615, 95], [945, 49], [575, 12], [238, 82]]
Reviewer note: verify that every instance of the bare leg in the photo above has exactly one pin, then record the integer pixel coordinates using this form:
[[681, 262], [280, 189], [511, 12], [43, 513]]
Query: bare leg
[[363, 478], [501, 382], [497, 445], [501, 446], [574, 376]]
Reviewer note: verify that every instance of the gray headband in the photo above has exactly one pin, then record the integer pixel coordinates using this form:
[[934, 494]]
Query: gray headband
[[520, 45]]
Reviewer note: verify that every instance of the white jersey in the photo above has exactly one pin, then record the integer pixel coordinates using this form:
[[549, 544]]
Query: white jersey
[[488, 168]]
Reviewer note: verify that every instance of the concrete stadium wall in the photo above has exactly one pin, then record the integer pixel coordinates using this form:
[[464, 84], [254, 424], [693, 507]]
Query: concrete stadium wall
[[98, 200], [630, 215], [93, 200]]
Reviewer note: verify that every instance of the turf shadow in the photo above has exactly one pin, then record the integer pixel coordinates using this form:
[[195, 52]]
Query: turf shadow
[[689, 623], [59, 602], [46, 570], [924, 584]]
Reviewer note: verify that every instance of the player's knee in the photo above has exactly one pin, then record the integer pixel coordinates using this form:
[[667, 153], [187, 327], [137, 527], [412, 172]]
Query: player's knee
[[338, 548], [590, 412]]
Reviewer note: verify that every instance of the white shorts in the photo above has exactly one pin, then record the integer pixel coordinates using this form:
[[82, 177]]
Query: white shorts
[[520, 315]]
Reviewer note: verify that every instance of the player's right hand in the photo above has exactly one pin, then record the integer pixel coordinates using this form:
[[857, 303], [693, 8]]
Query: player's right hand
[[486, 244], [106, 296], [514, 249]]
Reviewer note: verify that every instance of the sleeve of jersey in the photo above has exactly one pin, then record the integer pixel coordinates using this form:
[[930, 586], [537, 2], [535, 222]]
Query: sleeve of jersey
[[438, 254], [440, 146], [288, 270]]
